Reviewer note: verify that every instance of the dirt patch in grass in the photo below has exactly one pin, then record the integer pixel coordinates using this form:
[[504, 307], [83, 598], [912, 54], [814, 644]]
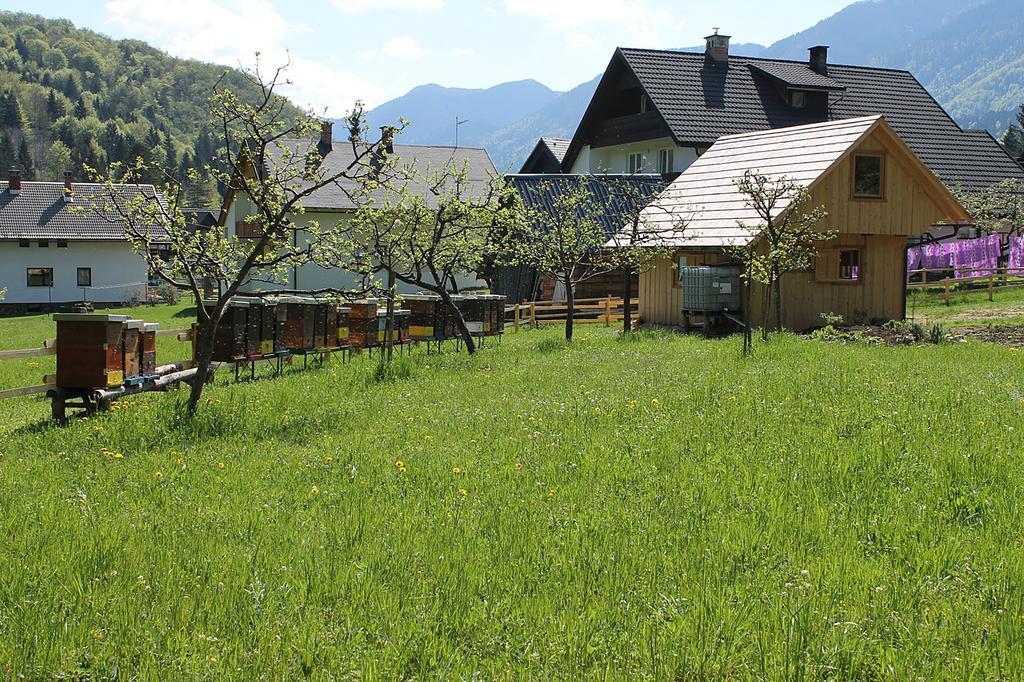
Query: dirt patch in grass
[[1007, 335]]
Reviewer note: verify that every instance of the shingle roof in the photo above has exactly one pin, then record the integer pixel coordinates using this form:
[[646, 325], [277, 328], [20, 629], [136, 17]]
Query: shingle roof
[[40, 212], [618, 194], [796, 75], [557, 146], [424, 158], [705, 196], [702, 100]]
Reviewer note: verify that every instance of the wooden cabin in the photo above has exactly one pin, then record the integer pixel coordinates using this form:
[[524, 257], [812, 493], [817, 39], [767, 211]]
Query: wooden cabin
[[876, 191]]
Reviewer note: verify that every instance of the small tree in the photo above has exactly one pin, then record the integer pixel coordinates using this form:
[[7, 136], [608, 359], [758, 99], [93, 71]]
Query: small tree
[[257, 156], [426, 228], [783, 240], [997, 209]]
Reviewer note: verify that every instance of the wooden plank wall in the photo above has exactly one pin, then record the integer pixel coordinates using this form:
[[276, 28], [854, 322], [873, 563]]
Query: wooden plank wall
[[878, 227]]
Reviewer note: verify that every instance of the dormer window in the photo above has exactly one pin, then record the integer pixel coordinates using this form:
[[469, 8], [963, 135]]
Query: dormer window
[[798, 98]]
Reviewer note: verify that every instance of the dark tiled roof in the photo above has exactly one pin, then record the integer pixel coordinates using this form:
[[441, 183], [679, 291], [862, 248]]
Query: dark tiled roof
[[702, 100], [540, 191], [426, 159], [796, 75], [557, 146], [40, 212]]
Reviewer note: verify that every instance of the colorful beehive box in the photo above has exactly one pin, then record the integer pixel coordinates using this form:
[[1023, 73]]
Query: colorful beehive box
[[293, 322], [403, 322], [426, 318], [268, 325], [451, 315], [308, 308], [319, 325], [494, 313], [502, 301], [473, 313], [147, 348], [253, 319], [229, 339], [89, 350], [343, 325], [362, 323], [331, 326], [131, 360], [399, 329]]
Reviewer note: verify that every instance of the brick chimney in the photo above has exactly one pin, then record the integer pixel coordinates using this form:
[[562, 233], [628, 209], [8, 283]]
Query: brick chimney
[[387, 139], [67, 188], [819, 59], [717, 47], [327, 134], [14, 181]]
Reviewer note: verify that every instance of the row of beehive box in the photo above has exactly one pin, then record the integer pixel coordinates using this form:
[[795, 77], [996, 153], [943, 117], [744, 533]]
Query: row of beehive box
[[255, 327], [103, 351]]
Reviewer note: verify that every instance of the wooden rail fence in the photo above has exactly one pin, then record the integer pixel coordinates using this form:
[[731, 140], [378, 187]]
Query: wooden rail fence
[[996, 278], [604, 310], [49, 347]]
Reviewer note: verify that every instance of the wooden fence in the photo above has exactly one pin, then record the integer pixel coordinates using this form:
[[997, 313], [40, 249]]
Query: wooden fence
[[49, 347], [995, 278], [585, 311]]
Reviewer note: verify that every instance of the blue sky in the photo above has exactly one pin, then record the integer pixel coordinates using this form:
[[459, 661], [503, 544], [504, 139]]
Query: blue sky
[[375, 50]]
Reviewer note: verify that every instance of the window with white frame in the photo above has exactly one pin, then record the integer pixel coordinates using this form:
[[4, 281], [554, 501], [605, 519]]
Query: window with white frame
[[666, 161], [636, 163]]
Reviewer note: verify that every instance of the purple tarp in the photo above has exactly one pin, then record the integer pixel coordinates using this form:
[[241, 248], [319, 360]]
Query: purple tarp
[[1016, 262], [976, 257]]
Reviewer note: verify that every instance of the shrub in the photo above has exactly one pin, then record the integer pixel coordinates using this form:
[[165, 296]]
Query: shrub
[[165, 293]]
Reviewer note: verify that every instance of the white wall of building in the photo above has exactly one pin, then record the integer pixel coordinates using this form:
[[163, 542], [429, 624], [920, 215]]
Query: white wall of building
[[118, 272], [615, 159]]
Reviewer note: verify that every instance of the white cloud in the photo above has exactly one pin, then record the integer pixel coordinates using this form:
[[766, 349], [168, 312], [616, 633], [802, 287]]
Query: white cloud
[[230, 32], [401, 47], [357, 6], [579, 39], [461, 51]]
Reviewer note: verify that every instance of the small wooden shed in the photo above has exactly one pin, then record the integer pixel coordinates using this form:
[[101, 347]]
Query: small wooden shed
[[877, 194]]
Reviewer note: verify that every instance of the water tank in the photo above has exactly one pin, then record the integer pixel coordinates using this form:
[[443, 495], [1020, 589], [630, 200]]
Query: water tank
[[711, 288]]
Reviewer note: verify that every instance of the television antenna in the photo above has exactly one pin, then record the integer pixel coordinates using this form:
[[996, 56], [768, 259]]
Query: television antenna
[[458, 122]]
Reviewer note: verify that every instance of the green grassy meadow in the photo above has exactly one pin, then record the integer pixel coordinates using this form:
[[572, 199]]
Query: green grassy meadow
[[654, 507]]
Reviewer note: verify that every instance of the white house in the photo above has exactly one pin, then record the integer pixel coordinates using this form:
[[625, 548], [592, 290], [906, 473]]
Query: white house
[[52, 256], [332, 205]]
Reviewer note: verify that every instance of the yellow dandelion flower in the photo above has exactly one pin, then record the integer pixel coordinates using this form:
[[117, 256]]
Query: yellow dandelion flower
[[220, 465], [314, 491], [328, 459], [399, 464], [519, 465], [428, 438], [180, 460], [456, 470], [401, 469], [551, 492], [158, 475], [118, 455], [655, 402], [213, 659], [463, 492]]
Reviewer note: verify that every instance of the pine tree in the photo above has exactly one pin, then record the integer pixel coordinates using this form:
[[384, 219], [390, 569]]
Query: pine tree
[[81, 108], [8, 155], [54, 105], [25, 162], [170, 156]]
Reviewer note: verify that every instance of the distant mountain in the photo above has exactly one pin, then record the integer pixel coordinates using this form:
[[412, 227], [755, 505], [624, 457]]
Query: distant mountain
[[432, 109], [968, 53]]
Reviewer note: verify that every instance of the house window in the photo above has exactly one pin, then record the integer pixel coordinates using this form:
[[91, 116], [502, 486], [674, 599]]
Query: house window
[[85, 277], [40, 277], [44, 243], [665, 161], [62, 243], [849, 265], [636, 163], [23, 243], [644, 103], [867, 176], [245, 229], [798, 98]]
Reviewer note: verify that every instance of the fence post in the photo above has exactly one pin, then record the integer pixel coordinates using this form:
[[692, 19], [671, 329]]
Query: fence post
[[515, 320], [947, 290], [990, 278], [533, 314], [607, 310]]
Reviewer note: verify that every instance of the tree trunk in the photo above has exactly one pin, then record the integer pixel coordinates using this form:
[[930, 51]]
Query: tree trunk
[[766, 306], [467, 338], [204, 359], [778, 300], [389, 327], [570, 310], [627, 297], [748, 333]]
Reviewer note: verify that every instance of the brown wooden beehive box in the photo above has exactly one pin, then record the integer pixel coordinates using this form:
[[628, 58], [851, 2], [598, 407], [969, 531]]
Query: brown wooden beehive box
[[451, 314], [331, 326], [89, 353], [268, 322], [147, 346], [293, 322], [362, 326], [426, 323], [343, 325], [131, 359]]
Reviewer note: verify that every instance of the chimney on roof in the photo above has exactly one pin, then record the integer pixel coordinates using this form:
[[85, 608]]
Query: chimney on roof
[[327, 135], [67, 188], [819, 59], [14, 183], [387, 139], [717, 47]]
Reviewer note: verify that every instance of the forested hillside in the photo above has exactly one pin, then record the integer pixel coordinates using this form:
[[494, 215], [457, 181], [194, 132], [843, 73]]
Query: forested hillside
[[70, 97]]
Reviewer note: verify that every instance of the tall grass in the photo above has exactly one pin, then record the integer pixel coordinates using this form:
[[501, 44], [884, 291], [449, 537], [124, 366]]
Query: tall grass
[[653, 508]]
